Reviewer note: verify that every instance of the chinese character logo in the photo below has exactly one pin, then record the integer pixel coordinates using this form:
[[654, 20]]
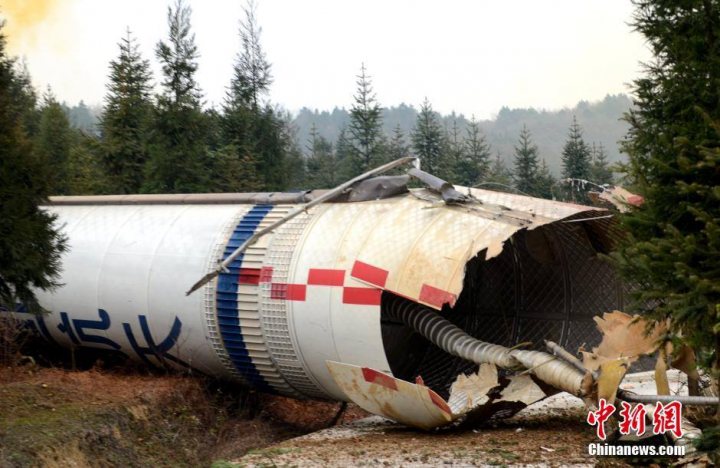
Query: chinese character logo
[[598, 418], [632, 419], [667, 417]]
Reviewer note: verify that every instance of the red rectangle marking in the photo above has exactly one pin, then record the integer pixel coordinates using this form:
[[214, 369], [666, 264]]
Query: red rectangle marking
[[361, 296], [369, 273], [288, 292], [377, 377], [439, 402], [249, 276], [436, 297], [326, 277], [266, 273]]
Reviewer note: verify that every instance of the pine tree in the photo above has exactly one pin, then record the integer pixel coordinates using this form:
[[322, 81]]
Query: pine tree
[[85, 171], [323, 168], [526, 164], [53, 142], [365, 129], [575, 155], [343, 153], [600, 172], [252, 76], [673, 148], [126, 120], [499, 173], [179, 159], [474, 165], [397, 146], [30, 245], [544, 182], [24, 95], [233, 171], [429, 141], [455, 152], [254, 127]]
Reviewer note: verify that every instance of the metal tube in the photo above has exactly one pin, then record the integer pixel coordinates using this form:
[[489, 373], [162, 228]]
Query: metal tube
[[436, 329], [684, 399], [633, 397], [455, 341]]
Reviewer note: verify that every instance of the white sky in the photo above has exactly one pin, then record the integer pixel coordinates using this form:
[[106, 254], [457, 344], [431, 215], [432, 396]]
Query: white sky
[[471, 56]]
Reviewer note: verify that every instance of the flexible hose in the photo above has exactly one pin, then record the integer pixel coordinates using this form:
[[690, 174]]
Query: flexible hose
[[447, 336], [455, 341]]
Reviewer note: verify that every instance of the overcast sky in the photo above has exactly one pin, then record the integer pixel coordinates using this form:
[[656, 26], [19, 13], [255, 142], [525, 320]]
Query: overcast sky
[[471, 56]]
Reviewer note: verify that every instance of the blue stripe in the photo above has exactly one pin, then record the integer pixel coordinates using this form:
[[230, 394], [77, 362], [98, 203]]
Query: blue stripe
[[226, 299]]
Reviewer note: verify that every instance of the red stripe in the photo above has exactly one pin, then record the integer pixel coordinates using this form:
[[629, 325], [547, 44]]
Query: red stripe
[[326, 277], [288, 292], [436, 297], [266, 273], [361, 296], [439, 402], [249, 276], [636, 200], [369, 273], [377, 377]]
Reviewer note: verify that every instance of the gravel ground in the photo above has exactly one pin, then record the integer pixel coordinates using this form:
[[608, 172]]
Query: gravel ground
[[552, 432]]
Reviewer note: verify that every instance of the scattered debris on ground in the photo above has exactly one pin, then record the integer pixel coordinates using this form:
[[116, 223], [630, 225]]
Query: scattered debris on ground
[[558, 439]]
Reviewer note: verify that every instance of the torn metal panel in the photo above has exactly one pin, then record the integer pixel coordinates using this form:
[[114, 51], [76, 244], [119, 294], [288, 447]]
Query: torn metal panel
[[611, 373], [522, 389], [382, 394], [479, 396], [625, 336], [621, 198], [469, 392], [444, 188], [378, 188], [419, 250]]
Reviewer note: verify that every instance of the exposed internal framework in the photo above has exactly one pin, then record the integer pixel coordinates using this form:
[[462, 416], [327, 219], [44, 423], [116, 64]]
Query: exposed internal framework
[[546, 284]]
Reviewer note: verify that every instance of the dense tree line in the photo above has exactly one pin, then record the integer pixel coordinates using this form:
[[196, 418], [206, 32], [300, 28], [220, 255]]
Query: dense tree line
[[673, 245], [458, 152], [168, 142], [601, 121]]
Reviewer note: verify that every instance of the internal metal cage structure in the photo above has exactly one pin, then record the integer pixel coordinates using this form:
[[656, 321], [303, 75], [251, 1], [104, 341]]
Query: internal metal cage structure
[[547, 284]]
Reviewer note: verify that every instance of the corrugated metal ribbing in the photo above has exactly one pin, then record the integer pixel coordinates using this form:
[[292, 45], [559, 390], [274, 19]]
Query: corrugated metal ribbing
[[274, 312], [227, 299]]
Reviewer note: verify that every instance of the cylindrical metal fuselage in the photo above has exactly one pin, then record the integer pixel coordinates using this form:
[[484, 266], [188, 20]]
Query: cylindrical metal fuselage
[[308, 292]]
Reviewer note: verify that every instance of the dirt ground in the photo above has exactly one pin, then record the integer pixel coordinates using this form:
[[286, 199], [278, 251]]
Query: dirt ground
[[134, 417], [55, 417]]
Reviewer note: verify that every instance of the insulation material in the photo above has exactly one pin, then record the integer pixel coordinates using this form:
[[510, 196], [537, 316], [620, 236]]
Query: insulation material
[[661, 367], [623, 336], [610, 375], [471, 391]]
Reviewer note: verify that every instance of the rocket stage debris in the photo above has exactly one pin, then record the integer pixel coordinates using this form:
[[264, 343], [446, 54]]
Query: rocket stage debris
[[425, 305]]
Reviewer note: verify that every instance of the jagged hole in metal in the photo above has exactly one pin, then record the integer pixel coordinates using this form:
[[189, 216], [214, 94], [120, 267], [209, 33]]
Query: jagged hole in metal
[[547, 283]]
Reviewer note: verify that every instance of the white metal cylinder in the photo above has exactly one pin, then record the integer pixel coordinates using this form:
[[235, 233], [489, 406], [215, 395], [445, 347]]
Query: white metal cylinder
[[307, 293]]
